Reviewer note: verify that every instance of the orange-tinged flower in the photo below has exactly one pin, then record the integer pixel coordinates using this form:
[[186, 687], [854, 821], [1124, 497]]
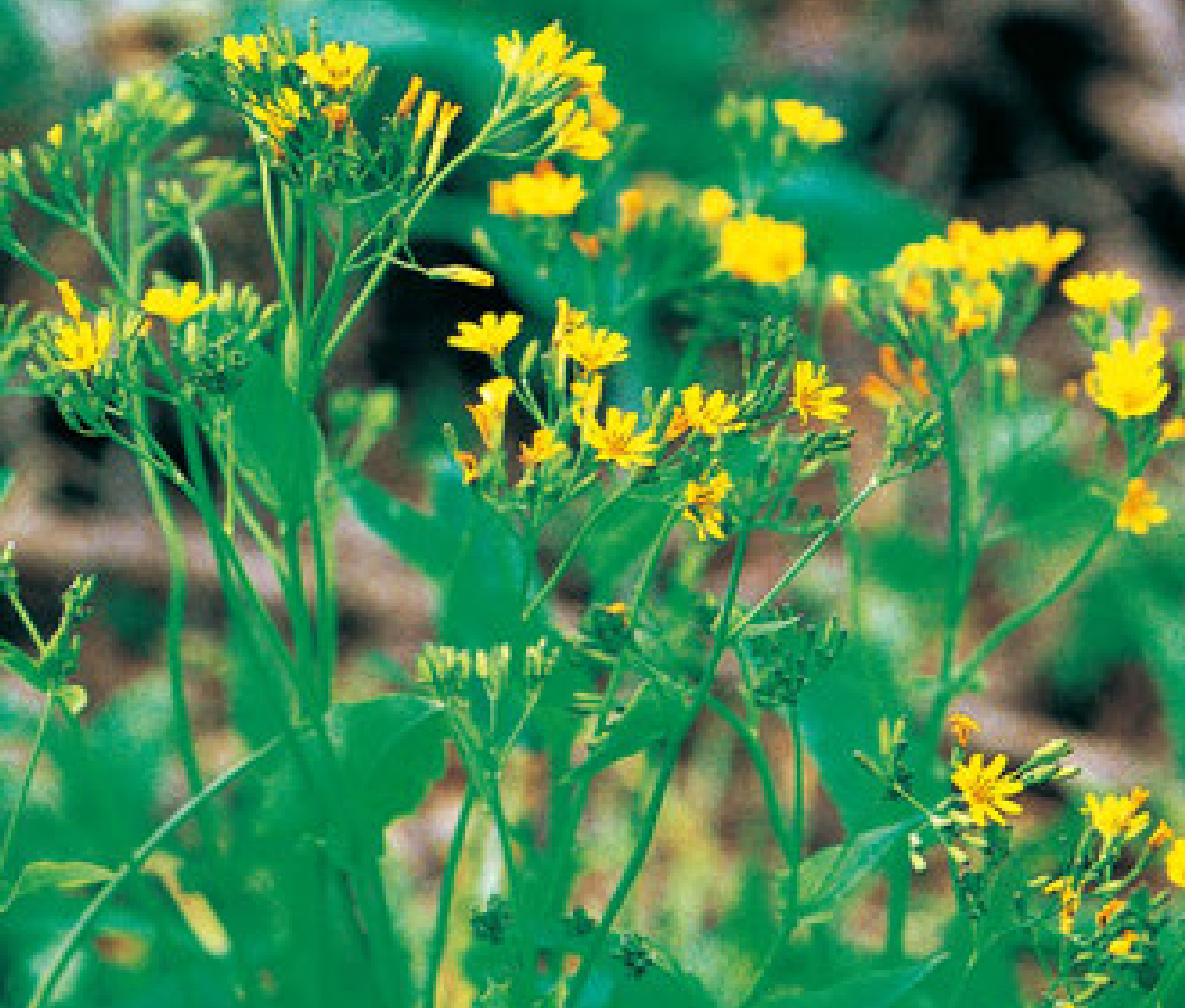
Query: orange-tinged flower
[[587, 245], [704, 500], [469, 465], [406, 105], [491, 335], [812, 396], [963, 728], [1161, 835], [543, 447], [337, 114], [545, 192], [762, 250], [337, 66], [631, 204], [1108, 912], [619, 441], [713, 414], [917, 295], [894, 385], [985, 790], [489, 413], [1140, 508], [280, 116], [1122, 947]]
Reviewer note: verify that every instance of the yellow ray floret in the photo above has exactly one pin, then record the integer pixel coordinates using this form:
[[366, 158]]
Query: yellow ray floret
[[1140, 508], [337, 66], [491, 335], [619, 441], [986, 791], [176, 306], [813, 397]]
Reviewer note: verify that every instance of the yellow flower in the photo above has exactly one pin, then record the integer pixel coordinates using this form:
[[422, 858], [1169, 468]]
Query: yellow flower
[[245, 51], [715, 206], [1174, 863], [618, 441], [1128, 381], [585, 397], [963, 728], [811, 123], [1122, 947], [1109, 911], [713, 415], [1140, 508], [336, 67], [463, 274], [337, 115], [406, 105], [469, 465], [1043, 251], [606, 117], [1117, 815], [542, 448], [282, 115], [917, 295], [543, 193], [814, 397], [593, 349], [976, 308], [631, 204], [491, 335], [54, 135], [489, 413], [587, 245], [548, 60], [70, 300], [176, 306], [1100, 291], [703, 505], [576, 134], [1069, 897], [1172, 430], [1161, 835], [82, 345], [762, 250], [986, 792], [842, 288]]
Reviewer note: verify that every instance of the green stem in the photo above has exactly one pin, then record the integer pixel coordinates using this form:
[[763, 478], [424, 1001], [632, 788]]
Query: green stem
[[446, 890], [806, 556], [669, 761], [291, 345], [74, 937], [18, 809]]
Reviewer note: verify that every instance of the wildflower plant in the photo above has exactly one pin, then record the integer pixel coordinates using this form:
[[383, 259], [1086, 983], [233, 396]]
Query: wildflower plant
[[564, 468]]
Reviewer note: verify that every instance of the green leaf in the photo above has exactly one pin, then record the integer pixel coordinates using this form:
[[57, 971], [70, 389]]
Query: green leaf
[[831, 874], [277, 439], [39, 875], [7, 476], [417, 538], [19, 663], [877, 989], [391, 750]]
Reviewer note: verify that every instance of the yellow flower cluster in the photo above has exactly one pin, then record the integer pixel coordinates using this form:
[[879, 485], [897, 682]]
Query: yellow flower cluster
[[762, 250], [977, 254], [810, 123], [548, 61], [337, 67], [593, 349], [246, 51], [544, 192]]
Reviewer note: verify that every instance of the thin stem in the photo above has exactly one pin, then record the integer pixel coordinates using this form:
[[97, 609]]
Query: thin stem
[[806, 556], [18, 809], [649, 821], [446, 890], [291, 346], [74, 937]]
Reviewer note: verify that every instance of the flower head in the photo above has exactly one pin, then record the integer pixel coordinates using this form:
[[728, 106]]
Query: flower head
[[811, 124], [548, 60], [337, 66], [592, 349], [704, 499], [577, 134], [814, 397], [469, 466], [917, 295], [1126, 380], [963, 728], [176, 306], [712, 414], [83, 345], [715, 206], [543, 447], [631, 204], [280, 116], [491, 335], [976, 307], [1100, 292], [1122, 947], [1109, 910], [244, 51], [1043, 250], [585, 397], [1174, 863], [1117, 815], [986, 791], [894, 385], [541, 193], [489, 413], [618, 440], [762, 250], [1172, 430], [1140, 508]]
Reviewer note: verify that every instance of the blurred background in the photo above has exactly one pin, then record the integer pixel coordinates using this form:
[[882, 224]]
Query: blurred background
[[1001, 110]]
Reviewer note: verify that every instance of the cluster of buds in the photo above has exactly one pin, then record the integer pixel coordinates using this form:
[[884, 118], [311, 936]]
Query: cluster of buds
[[914, 441], [635, 953], [491, 923], [786, 651], [787, 126], [1107, 921]]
